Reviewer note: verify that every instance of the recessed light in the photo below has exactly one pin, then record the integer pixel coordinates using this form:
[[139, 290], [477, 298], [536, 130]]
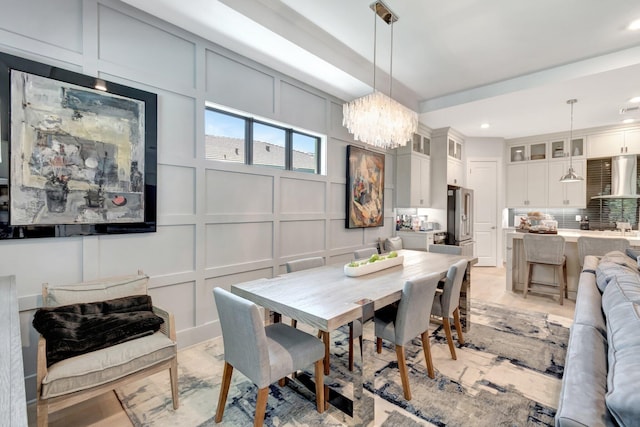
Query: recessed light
[[485, 126], [635, 99], [635, 25], [626, 121]]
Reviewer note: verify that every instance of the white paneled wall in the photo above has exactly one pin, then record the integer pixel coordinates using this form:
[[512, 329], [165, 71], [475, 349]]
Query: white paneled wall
[[218, 223]]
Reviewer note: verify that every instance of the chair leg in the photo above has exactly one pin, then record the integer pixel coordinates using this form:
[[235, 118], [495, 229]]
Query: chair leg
[[261, 406], [566, 286], [325, 339], [224, 390], [404, 376], [350, 346], [173, 375], [527, 279], [42, 413], [426, 348], [319, 372], [447, 331], [378, 345], [562, 283], [456, 322]]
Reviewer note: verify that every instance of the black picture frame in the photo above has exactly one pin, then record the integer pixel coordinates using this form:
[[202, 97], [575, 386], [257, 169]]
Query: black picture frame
[[144, 196], [365, 188]]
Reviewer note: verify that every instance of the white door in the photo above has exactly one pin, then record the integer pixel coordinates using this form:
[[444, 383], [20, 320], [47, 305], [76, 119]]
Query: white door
[[483, 179]]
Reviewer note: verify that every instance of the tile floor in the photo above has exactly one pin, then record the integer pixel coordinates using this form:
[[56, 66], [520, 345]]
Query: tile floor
[[488, 284]]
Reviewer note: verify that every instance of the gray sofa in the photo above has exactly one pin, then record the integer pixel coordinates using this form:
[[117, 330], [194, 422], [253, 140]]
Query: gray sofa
[[601, 382]]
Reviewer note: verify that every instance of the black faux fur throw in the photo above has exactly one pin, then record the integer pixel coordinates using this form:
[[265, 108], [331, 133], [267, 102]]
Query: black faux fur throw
[[71, 330]]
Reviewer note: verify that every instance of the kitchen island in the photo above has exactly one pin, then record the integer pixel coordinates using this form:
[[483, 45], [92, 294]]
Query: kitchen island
[[516, 260]]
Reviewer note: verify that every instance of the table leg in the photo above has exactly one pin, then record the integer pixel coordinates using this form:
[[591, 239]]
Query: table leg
[[327, 344], [465, 300]]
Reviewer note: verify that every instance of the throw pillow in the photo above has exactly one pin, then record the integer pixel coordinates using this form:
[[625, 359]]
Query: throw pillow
[[76, 329]]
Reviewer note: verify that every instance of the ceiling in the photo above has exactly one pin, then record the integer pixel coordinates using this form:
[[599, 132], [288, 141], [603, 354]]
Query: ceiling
[[512, 64]]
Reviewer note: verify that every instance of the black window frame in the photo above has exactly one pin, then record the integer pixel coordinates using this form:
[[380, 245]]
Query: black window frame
[[289, 132]]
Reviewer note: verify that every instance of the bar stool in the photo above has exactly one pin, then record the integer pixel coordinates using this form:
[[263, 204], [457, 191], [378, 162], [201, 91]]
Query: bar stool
[[545, 250]]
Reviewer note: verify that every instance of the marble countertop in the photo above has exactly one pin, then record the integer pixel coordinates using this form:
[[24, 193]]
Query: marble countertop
[[572, 235]]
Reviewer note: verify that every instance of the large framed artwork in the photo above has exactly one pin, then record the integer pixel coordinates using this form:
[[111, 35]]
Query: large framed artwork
[[81, 153], [365, 188]]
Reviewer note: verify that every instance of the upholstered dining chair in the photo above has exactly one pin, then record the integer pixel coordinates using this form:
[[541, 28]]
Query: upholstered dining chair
[[263, 354], [355, 327], [547, 251], [409, 319], [446, 249], [446, 304], [364, 253], [303, 264]]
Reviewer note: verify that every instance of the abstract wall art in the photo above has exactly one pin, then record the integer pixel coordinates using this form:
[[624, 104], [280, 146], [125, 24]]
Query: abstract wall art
[[365, 188], [82, 152]]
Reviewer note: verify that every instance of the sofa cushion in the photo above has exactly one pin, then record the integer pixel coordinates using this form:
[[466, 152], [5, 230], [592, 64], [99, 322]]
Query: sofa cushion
[[102, 366], [588, 309], [632, 253], [582, 397], [615, 264], [75, 329], [621, 289], [622, 398]]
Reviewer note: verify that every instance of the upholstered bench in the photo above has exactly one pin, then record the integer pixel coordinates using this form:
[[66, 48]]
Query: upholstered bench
[[83, 376]]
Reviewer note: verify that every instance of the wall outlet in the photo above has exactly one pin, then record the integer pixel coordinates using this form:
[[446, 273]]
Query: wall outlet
[[578, 218]]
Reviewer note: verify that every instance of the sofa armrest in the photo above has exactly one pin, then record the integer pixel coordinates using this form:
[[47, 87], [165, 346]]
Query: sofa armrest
[[168, 327], [590, 263]]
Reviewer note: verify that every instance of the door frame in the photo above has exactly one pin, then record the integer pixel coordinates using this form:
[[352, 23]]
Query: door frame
[[500, 202]]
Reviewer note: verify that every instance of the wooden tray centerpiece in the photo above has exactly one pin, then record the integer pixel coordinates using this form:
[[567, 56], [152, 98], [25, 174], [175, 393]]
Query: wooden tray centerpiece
[[374, 263]]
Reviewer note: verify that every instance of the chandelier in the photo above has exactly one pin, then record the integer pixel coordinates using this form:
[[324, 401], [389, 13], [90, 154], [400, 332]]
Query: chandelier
[[377, 119], [571, 175]]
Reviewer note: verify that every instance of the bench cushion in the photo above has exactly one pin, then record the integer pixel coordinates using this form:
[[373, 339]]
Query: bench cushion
[[74, 329], [102, 366]]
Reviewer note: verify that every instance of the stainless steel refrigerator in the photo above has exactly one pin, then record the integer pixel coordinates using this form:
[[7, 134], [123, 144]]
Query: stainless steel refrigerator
[[460, 219]]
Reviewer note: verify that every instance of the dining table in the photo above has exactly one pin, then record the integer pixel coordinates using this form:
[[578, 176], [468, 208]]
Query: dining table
[[326, 298]]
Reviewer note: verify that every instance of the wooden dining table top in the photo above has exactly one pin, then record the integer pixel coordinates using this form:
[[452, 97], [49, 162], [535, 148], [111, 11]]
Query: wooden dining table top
[[326, 298]]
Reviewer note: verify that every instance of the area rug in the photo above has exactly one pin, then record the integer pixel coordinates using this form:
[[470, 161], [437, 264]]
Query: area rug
[[508, 373]]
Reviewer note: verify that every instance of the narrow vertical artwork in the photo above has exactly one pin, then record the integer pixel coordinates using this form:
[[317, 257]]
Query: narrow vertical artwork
[[365, 188]]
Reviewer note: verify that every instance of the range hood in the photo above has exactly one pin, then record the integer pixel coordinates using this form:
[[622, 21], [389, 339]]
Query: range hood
[[624, 172]]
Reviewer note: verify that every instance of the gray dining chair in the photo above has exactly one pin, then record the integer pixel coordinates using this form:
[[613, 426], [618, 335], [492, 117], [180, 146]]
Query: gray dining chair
[[364, 253], [446, 249], [303, 264], [409, 319], [263, 354], [446, 304], [355, 327]]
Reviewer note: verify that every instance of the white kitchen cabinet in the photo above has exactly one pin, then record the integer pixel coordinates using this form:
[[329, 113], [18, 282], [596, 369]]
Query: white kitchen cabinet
[[536, 151], [416, 240], [527, 184], [455, 172], [613, 143], [413, 182], [560, 148], [567, 194]]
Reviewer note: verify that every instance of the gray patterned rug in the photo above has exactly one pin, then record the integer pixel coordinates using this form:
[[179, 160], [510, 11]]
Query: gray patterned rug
[[508, 373]]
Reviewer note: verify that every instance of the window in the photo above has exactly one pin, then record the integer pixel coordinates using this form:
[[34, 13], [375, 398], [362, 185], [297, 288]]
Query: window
[[234, 137]]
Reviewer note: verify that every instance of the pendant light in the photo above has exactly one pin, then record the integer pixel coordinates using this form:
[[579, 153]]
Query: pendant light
[[571, 175], [377, 119]]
